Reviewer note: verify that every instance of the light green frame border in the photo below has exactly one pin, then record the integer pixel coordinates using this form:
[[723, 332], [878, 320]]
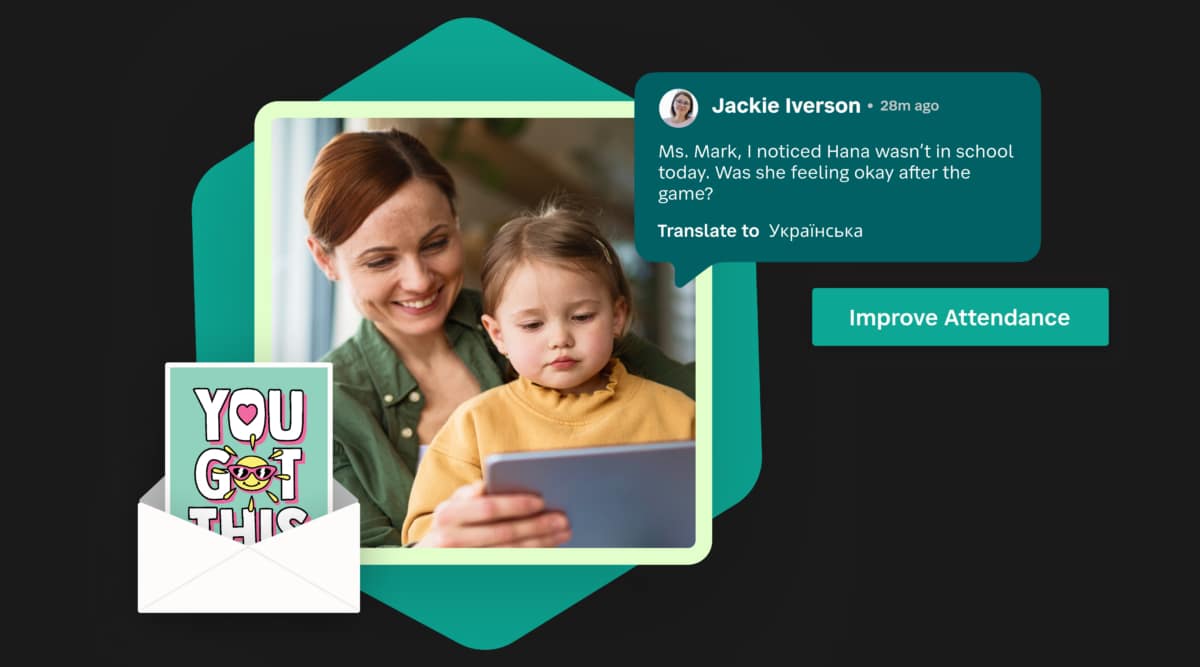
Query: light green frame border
[[263, 125]]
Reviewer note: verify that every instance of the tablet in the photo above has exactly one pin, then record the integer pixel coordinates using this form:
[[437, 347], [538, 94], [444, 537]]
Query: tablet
[[641, 495]]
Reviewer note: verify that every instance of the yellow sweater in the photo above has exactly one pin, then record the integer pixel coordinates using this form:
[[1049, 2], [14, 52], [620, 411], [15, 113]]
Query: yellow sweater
[[521, 416]]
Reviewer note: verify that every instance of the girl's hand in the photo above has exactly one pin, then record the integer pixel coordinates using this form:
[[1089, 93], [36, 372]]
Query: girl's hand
[[468, 518]]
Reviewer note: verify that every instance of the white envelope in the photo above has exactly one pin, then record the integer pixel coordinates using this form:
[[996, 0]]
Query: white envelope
[[310, 568]]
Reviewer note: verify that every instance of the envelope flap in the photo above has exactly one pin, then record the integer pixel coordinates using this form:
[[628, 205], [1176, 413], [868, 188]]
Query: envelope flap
[[342, 497], [249, 582], [324, 551], [171, 551], [156, 497]]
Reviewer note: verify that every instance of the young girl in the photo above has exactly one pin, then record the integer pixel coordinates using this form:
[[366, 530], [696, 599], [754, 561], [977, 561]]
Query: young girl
[[555, 301]]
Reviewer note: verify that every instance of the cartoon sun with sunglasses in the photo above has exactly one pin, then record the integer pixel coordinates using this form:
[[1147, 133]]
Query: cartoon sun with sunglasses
[[252, 474]]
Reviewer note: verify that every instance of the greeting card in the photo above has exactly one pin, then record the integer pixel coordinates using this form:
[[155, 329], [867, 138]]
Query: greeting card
[[249, 447]]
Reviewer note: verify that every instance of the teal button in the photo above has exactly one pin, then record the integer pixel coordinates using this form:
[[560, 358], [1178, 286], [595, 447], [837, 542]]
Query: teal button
[[960, 316]]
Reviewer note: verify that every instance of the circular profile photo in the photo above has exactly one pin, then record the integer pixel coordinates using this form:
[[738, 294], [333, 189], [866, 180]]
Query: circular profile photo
[[678, 107]]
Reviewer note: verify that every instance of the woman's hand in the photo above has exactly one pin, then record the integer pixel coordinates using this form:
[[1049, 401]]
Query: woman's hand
[[468, 518]]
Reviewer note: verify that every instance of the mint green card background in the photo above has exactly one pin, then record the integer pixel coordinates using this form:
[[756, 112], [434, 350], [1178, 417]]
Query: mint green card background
[[481, 607], [995, 216], [186, 437]]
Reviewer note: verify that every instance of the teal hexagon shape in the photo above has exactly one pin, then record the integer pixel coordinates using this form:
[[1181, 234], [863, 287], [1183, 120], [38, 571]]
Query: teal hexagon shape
[[482, 607]]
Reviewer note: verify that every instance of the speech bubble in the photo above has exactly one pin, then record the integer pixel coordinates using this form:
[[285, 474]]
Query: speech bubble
[[837, 167]]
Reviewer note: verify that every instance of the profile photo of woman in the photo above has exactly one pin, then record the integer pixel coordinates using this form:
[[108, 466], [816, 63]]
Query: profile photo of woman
[[678, 108]]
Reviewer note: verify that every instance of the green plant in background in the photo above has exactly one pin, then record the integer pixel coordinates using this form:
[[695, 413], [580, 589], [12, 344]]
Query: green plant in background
[[505, 128], [487, 172]]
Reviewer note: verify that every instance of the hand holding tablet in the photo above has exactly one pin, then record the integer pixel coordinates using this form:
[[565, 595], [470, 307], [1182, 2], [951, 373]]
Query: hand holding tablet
[[640, 495]]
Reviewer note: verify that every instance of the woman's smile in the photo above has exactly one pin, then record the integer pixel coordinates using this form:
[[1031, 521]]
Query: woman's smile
[[420, 306]]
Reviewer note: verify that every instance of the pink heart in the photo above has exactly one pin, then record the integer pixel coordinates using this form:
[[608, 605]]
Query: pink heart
[[247, 413]]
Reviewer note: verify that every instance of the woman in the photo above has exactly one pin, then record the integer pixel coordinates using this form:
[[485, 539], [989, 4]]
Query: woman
[[381, 216], [683, 109]]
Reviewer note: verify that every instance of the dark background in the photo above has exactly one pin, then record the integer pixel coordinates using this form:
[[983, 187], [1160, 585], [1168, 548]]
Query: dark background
[[932, 506]]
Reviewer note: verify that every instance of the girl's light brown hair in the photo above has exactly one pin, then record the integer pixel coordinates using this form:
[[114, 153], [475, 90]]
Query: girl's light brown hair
[[356, 172], [554, 233]]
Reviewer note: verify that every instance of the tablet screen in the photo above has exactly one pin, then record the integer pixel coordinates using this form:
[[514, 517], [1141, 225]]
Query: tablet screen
[[641, 495]]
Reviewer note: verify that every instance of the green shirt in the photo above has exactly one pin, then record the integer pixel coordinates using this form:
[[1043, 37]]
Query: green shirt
[[377, 405]]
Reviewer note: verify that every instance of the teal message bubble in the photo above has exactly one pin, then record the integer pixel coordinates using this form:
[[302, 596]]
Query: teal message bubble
[[837, 167]]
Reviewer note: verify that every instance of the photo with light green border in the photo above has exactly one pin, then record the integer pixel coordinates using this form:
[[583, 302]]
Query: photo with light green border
[[275, 191]]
